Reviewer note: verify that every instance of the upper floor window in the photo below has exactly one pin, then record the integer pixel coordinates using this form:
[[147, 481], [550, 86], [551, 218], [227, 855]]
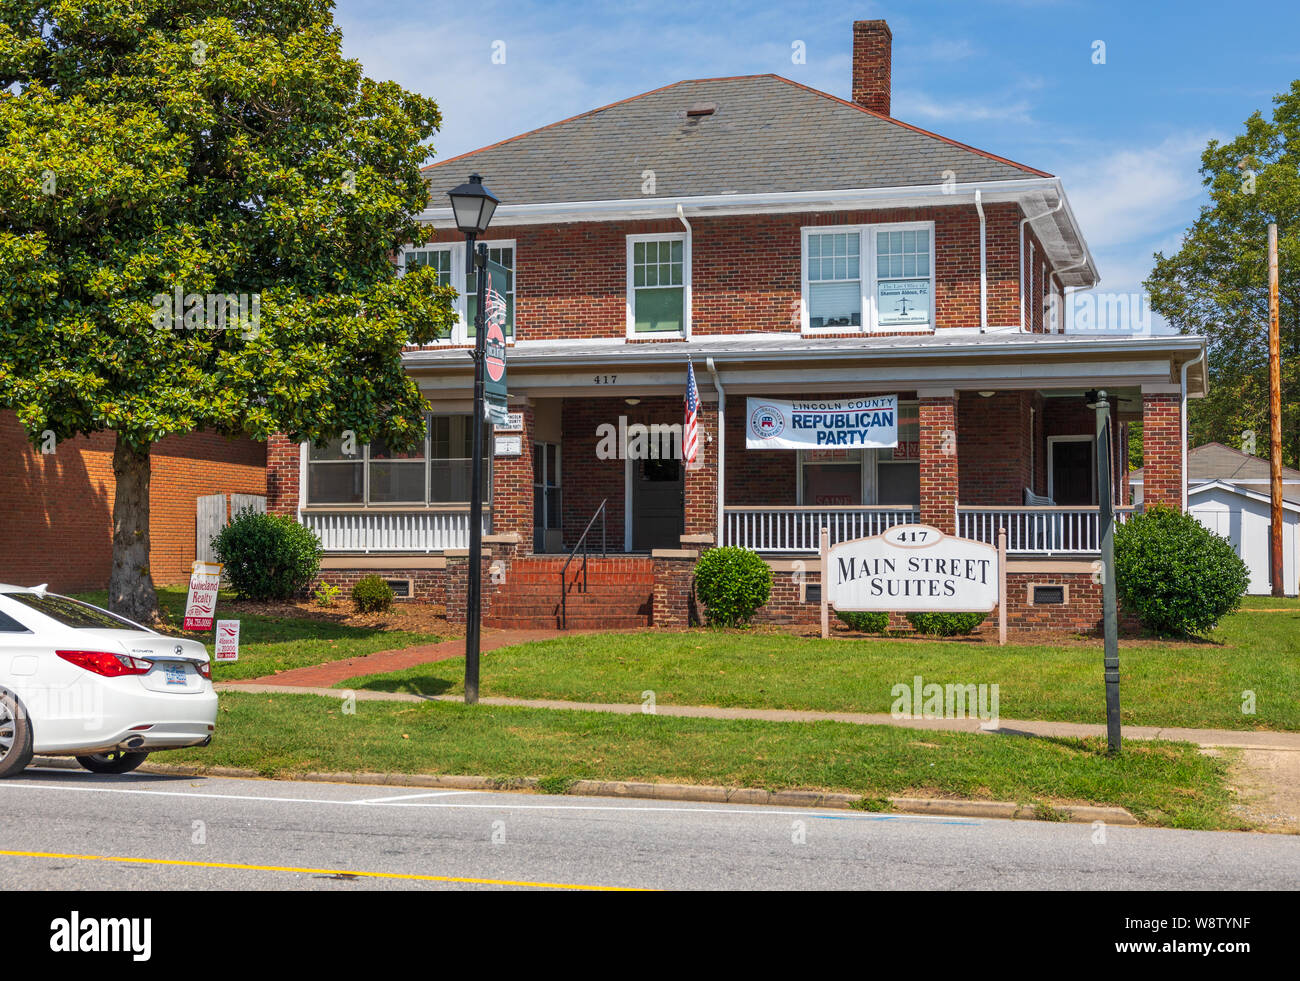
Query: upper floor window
[[449, 261], [868, 277], [658, 285]]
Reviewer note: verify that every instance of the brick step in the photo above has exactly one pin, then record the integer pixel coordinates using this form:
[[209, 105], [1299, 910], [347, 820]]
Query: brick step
[[553, 609], [584, 622], [605, 565], [593, 589], [533, 579]]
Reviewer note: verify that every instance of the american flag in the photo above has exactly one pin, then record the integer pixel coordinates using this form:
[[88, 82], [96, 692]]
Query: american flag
[[691, 436]]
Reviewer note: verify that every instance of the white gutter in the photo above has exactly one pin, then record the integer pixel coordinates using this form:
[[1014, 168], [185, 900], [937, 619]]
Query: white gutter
[[1182, 418], [722, 444], [686, 279], [1060, 203], [984, 279]]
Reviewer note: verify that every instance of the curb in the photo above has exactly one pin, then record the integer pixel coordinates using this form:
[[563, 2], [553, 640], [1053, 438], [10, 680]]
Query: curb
[[701, 793]]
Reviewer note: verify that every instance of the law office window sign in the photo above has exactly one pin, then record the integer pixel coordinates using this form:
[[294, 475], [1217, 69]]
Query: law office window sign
[[863, 278]]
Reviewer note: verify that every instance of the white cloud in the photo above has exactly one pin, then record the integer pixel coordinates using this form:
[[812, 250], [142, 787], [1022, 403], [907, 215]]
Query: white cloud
[[910, 104]]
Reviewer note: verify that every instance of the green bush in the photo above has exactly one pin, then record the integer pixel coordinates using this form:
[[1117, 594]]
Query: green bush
[[267, 556], [869, 621], [372, 595], [1177, 576], [732, 583], [945, 624]]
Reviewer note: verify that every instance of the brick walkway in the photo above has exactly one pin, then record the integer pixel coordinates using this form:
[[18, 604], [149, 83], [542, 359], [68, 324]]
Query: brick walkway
[[325, 675]]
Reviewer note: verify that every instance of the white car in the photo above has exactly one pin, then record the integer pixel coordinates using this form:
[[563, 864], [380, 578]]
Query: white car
[[79, 681]]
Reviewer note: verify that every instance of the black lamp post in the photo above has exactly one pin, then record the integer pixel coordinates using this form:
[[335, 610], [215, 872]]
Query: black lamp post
[[1097, 401], [473, 205]]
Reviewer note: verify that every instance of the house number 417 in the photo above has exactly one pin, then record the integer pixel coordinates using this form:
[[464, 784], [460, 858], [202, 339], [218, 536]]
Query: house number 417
[[606, 379]]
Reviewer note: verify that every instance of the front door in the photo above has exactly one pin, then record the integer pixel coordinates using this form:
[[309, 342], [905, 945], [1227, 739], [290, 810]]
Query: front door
[[658, 504], [1072, 472]]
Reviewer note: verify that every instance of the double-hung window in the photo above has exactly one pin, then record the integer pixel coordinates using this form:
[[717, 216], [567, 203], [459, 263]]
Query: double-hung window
[[658, 285], [449, 262], [436, 471], [862, 278]]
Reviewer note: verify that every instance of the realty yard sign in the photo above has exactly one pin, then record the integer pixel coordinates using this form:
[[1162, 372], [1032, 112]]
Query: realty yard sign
[[869, 422], [227, 646], [201, 602], [914, 568]]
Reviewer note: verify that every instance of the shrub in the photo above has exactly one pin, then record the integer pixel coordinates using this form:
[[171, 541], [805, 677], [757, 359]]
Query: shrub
[[372, 595], [868, 621], [945, 624], [267, 556], [1176, 575], [732, 583], [326, 594]]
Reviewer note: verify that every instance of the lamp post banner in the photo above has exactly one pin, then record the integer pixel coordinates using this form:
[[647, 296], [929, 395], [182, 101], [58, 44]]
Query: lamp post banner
[[913, 568], [869, 422]]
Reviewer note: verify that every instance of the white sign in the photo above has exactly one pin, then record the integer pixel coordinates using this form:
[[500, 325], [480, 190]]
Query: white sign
[[227, 641], [912, 568], [902, 302], [201, 601], [514, 423], [508, 446], [774, 424]]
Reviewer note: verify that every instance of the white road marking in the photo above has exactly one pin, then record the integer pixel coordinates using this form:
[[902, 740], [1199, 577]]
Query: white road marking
[[747, 809], [435, 793]]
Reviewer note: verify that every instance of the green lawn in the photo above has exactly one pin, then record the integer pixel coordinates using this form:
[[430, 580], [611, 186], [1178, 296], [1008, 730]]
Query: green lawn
[[1161, 783], [1175, 684], [274, 643]]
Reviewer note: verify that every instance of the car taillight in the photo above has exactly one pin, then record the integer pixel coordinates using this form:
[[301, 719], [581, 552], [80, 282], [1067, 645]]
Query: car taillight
[[107, 664], [205, 668]]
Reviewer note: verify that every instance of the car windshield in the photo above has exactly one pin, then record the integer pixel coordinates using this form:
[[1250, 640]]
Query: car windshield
[[73, 613]]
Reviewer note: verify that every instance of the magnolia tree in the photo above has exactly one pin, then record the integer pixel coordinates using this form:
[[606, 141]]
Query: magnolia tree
[[200, 204]]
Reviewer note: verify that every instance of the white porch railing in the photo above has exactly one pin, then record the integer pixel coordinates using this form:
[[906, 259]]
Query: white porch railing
[[1038, 530], [392, 531], [798, 529]]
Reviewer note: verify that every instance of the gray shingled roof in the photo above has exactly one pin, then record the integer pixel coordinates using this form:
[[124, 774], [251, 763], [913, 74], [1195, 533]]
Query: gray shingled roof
[[768, 134], [1214, 461]]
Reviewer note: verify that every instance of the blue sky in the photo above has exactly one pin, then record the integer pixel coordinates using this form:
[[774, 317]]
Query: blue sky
[[1014, 77]]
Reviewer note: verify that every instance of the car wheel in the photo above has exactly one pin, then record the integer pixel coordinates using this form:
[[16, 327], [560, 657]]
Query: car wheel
[[116, 761], [15, 735]]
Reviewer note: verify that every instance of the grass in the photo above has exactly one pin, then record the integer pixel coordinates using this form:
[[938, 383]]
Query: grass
[[274, 643], [1196, 684], [282, 735]]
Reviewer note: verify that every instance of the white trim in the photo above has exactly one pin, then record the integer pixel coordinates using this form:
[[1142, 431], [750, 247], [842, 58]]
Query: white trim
[[1051, 462], [630, 303], [867, 281], [460, 332]]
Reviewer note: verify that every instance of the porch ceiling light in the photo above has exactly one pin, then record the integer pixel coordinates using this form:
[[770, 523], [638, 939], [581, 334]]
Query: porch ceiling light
[[632, 401], [987, 395], [473, 205]]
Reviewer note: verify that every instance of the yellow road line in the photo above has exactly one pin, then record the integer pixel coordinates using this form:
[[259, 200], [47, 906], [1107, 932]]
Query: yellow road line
[[290, 868]]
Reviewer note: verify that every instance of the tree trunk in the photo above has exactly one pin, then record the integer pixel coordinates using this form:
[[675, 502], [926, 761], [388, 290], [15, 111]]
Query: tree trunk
[[130, 589]]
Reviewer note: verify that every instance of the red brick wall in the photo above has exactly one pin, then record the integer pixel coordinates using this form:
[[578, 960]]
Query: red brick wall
[[939, 448], [1162, 462], [702, 482], [995, 438], [57, 520], [512, 487], [282, 463]]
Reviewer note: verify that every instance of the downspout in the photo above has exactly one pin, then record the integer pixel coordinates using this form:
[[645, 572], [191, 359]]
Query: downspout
[[722, 442], [1183, 420], [984, 280], [1060, 203], [690, 234]]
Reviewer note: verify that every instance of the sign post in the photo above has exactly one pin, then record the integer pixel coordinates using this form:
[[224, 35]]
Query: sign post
[[826, 569], [1110, 614], [1002, 587]]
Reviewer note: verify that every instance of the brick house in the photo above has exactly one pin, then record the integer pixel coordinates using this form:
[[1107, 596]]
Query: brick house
[[57, 520], [794, 246]]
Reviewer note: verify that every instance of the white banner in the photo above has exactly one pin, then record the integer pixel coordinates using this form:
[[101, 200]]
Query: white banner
[[912, 568], [227, 649], [774, 424]]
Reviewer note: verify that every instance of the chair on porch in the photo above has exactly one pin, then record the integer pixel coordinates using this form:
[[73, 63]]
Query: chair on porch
[[1045, 530]]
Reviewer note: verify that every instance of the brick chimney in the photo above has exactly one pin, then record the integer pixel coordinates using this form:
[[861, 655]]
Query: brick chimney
[[872, 44]]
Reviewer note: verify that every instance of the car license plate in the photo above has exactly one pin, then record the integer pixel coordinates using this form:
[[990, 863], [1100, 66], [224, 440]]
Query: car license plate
[[174, 674]]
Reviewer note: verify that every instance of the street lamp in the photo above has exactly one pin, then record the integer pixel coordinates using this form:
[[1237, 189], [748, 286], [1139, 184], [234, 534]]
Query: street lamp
[[1097, 401], [473, 205]]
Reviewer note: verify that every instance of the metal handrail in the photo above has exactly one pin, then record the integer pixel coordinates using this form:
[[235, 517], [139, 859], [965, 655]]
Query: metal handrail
[[581, 544]]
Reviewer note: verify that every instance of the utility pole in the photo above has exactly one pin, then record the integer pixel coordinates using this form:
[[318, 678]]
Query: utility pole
[[1275, 415]]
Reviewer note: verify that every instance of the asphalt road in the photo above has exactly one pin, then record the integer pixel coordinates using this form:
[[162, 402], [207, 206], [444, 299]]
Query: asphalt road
[[67, 829]]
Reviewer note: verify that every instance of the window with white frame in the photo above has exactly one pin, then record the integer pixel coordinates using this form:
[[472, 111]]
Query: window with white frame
[[842, 477], [436, 471], [868, 277], [658, 285], [449, 262]]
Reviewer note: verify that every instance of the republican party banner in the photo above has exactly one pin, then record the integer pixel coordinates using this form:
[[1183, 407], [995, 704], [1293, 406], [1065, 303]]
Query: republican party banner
[[201, 603], [870, 422]]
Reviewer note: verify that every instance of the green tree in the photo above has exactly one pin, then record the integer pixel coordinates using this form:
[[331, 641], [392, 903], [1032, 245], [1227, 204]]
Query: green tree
[[1216, 284], [206, 148]]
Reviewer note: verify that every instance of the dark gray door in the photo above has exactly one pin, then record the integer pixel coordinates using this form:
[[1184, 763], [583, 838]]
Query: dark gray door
[[1072, 473], [658, 504]]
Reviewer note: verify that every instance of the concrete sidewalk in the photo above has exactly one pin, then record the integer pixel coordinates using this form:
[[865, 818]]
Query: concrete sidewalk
[[1237, 739]]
